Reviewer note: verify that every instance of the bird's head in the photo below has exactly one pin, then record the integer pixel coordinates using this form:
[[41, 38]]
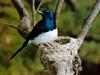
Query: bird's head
[[47, 14]]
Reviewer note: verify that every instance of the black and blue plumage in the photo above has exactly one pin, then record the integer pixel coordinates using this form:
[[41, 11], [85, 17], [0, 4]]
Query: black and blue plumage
[[44, 31]]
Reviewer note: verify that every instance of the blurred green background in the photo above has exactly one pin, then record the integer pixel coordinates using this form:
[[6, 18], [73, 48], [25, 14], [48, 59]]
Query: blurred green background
[[70, 23]]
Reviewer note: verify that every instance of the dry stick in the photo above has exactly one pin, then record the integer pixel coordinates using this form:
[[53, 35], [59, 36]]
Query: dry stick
[[40, 5], [24, 26], [9, 25], [33, 13], [89, 21], [20, 8], [58, 9]]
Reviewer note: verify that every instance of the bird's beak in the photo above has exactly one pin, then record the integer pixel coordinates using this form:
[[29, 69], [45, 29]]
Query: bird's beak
[[40, 12]]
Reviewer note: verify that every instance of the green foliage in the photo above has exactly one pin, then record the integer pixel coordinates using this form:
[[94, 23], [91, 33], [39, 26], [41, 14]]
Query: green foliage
[[70, 23], [90, 51]]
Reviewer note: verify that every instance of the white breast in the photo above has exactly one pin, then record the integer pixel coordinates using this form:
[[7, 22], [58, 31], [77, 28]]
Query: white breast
[[45, 37]]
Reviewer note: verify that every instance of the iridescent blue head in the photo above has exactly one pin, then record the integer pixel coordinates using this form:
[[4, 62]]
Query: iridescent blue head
[[48, 19], [47, 14]]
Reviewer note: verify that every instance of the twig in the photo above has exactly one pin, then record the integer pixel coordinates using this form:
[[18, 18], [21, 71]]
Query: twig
[[25, 21], [58, 9], [89, 21], [9, 25], [42, 1], [20, 8], [33, 12]]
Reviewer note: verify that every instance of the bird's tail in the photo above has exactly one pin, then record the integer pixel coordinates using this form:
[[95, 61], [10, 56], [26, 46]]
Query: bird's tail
[[25, 43]]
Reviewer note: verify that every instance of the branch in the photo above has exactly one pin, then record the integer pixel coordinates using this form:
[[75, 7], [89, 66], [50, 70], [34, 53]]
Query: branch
[[42, 1], [61, 56], [25, 21], [33, 12], [20, 8], [58, 9], [9, 25], [89, 21]]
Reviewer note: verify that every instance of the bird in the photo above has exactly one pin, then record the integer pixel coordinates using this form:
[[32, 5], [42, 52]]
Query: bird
[[44, 31]]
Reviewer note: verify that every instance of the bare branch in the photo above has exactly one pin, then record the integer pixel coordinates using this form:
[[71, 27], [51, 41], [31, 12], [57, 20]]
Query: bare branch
[[9, 25], [25, 21], [57, 56], [20, 8], [62, 58], [42, 1], [33, 12], [89, 21], [58, 9], [60, 68]]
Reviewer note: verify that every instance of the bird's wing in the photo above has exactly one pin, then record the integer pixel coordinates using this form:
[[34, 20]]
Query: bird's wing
[[38, 29]]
